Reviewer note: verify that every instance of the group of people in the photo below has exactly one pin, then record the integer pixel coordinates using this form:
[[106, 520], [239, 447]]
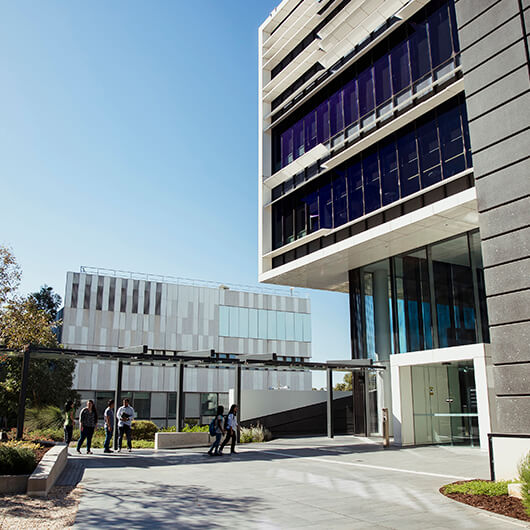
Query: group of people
[[229, 428], [88, 420]]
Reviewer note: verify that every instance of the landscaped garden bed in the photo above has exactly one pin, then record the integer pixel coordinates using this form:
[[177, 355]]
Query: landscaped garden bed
[[487, 495]]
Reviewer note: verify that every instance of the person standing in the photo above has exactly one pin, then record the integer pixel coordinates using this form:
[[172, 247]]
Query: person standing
[[88, 419], [219, 431], [125, 416], [108, 417], [231, 430], [68, 421]]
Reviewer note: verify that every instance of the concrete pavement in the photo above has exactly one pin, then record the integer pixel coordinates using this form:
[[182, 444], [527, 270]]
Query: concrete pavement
[[289, 483]]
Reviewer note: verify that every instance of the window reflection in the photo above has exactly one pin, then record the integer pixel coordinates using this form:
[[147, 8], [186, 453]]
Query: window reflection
[[428, 45], [416, 157], [406, 324], [245, 322]]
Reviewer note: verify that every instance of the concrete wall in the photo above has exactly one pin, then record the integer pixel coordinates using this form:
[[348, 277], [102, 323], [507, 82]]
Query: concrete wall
[[257, 403], [494, 41]]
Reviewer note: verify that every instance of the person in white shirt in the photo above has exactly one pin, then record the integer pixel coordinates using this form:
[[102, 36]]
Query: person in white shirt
[[231, 430], [125, 416]]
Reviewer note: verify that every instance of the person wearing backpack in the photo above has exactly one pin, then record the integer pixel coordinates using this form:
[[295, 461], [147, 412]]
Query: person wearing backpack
[[217, 430], [231, 430]]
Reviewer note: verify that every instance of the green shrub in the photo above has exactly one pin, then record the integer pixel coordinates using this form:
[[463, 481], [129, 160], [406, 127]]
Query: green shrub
[[144, 430], [255, 434], [524, 479], [49, 417], [196, 428], [171, 428], [479, 487], [18, 460]]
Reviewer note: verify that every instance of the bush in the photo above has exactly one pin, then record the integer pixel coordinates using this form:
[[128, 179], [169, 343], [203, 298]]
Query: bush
[[479, 487], [524, 478], [49, 417], [48, 435], [196, 428], [17, 459], [255, 434], [144, 430]]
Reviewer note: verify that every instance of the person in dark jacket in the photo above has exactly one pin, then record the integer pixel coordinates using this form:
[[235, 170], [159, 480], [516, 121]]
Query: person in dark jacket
[[68, 421], [88, 419]]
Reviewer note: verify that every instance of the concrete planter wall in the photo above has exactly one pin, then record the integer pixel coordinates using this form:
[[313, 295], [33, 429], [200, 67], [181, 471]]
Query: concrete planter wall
[[180, 440], [47, 471], [13, 483]]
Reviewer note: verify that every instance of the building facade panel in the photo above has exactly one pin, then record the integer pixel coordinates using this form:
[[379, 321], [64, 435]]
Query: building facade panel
[[501, 145]]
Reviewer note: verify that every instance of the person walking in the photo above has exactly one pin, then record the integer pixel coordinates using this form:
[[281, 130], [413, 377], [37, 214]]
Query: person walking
[[231, 430], [108, 417], [219, 431], [68, 421], [125, 416], [88, 419]]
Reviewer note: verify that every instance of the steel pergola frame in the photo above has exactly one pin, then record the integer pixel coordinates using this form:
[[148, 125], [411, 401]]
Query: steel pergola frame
[[140, 355]]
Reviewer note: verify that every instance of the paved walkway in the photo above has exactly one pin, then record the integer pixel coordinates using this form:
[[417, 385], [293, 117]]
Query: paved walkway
[[290, 483]]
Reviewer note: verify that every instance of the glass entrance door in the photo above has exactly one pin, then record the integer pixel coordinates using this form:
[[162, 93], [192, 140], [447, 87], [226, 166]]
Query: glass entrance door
[[445, 405]]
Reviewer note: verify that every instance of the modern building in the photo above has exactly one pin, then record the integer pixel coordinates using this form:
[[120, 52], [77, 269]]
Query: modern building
[[107, 310], [394, 166]]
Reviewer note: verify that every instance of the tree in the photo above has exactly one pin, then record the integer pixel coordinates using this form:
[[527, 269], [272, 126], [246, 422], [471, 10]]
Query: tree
[[346, 384], [46, 300], [9, 275], [29, 321]]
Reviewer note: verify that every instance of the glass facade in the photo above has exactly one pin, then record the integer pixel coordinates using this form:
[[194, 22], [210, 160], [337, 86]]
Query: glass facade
[[430, 298], [248, 323], [422, 49], [421, 154]]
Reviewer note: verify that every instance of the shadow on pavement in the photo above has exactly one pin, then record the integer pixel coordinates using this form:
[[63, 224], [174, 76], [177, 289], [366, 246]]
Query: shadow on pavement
[[144, 505]]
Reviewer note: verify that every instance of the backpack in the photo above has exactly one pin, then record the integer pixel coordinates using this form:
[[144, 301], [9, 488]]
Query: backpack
[[213, 427]]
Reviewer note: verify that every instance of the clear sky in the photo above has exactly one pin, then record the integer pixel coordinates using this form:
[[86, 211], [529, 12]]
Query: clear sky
[[128, 140]]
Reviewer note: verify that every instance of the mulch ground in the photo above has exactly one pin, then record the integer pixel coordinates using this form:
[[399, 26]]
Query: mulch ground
[[501, 504]]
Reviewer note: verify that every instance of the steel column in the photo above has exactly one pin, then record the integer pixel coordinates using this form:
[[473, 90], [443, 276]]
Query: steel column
[[237, 395], [117, 401], [179, 409], [23, 392], [366, 404], [329, 410]]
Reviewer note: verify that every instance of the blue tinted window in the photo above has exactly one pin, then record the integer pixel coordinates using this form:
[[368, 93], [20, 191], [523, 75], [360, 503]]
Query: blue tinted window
[[408, 164], [340, 214], [400, 67], [383, 90], [289, 326], [253, 323], [310, 130], [312, 211], [298, 139], [366, 92], [234, 321], [262, 324], [419, 52], [307, 327], [271, 326], [323, 123], [389, 173], [440, 36], [325, 206], [243, 322], [372, 199], [351, 107], [336, 119], [355, 191], [429, 151]]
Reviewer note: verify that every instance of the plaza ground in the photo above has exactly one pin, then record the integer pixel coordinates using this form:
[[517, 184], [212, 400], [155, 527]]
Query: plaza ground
[[288, 483]]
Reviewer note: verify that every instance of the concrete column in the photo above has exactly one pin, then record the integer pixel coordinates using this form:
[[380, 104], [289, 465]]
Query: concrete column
[[382, 343], [329, 408]]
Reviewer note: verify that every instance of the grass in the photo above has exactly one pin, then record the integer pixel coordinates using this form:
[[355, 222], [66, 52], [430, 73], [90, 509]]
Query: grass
[[255, 434], [479, 487]]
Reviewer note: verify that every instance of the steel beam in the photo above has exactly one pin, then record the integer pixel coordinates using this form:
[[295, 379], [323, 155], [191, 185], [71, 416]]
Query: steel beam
[[238, 395]]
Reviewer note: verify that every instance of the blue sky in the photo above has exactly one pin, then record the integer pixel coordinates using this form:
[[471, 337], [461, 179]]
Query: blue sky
[[128, 140]]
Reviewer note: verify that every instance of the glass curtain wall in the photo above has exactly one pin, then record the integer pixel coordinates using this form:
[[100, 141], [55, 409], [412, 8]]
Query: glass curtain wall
[[421, 154], [420, 300], [424, 49]]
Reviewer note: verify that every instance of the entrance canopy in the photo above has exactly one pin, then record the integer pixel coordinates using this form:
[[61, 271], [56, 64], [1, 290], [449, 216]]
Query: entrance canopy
[[197, 359]]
